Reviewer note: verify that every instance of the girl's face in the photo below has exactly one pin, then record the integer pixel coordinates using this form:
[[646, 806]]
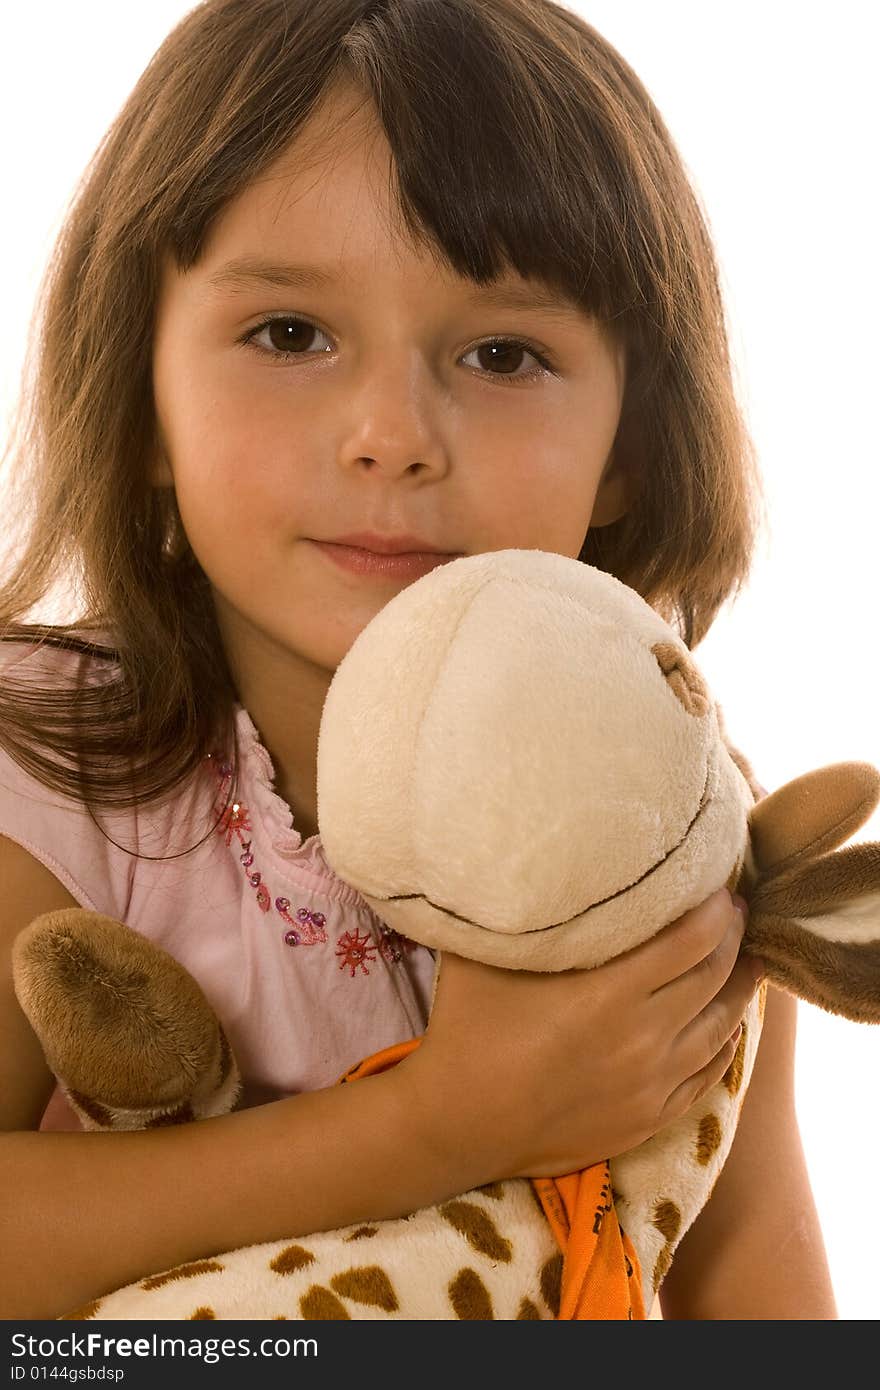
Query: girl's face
[[375, 401]]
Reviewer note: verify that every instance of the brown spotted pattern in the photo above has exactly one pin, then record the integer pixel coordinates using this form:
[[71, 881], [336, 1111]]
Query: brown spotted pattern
[[527, 1311], [733, 1077], [320, 1305], [291, 1259], [470, 1299], [369, 1285], [186, 1271], [709, 1137], [88, 1310], [667, 1219], [478, 1229], [551, 1283]]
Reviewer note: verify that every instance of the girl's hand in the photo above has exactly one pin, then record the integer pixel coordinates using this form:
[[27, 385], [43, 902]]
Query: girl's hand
[[544, 1074]]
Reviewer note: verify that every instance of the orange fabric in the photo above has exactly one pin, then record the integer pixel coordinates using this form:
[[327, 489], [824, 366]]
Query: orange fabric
[[600, 1269]]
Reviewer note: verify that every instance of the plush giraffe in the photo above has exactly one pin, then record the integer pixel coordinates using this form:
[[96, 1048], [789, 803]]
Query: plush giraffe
[[518, 761]]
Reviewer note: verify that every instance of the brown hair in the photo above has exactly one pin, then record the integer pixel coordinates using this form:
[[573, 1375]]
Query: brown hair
[[574, 179]]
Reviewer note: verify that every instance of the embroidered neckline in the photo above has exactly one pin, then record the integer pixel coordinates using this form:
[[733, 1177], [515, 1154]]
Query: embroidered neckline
[[355, 951], [273, 807]]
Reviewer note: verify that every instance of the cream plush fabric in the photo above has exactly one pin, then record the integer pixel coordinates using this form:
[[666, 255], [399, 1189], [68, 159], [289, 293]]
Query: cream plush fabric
[[519, 761]]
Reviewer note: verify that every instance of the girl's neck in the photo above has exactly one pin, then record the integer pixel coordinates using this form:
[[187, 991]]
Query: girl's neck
[[284, 696]]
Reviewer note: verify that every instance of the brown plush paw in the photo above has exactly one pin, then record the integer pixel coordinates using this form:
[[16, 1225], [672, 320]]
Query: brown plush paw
[[124, 1027]]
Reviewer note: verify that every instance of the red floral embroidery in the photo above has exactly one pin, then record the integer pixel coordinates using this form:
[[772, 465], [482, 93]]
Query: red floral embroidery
[[308, 929], [234, 821], [355, 951]]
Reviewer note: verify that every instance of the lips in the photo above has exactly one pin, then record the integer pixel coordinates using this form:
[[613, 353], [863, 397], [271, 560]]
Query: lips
[[401, 565], [401, 544]]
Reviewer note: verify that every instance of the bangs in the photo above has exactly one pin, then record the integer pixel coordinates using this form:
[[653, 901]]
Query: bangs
[[505, 154]]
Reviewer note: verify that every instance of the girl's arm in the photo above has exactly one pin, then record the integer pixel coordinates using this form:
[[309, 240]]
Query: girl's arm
[[756, 1250], [84, 1214]]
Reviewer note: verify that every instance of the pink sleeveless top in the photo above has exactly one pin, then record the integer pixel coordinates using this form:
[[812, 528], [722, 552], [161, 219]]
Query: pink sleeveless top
[[305, 977]]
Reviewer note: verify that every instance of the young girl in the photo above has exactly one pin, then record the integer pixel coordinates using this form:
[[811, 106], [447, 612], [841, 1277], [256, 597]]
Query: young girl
[[349, 289]]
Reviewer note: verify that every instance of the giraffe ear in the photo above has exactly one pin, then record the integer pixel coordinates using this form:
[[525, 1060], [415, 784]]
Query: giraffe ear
[[817, 927], [811, 815]]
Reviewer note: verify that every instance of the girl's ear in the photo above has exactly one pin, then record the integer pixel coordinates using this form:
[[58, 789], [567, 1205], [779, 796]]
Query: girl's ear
[[160, 470], [616, 490], [612, 497]]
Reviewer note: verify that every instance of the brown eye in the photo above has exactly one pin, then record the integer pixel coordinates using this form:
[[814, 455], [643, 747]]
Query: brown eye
[[683, 678], [289, 336]]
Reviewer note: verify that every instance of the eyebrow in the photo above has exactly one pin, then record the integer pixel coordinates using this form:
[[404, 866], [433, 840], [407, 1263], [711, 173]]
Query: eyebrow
[[248, 272]]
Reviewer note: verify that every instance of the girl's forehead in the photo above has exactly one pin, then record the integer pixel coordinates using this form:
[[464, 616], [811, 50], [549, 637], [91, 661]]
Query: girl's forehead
[[325, 212], [331, 190]]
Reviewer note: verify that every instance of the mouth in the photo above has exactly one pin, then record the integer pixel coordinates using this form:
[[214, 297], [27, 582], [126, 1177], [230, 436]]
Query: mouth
[[404, 564], [705, 802]]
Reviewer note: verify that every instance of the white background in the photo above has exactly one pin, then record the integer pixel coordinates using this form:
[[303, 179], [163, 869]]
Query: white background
[[770, 106]]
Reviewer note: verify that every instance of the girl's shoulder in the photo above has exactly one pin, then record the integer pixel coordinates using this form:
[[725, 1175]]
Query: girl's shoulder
[[93, 853]]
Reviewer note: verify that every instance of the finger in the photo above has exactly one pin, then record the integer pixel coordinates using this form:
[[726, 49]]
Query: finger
[[707, 1033], [686, 996], [682, 944], [695, 1086]]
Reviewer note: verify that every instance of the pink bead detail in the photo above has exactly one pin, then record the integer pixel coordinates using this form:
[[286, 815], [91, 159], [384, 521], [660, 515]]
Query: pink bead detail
[[310, 931]]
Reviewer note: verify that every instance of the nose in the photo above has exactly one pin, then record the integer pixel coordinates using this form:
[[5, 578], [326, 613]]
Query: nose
[[394, 425]]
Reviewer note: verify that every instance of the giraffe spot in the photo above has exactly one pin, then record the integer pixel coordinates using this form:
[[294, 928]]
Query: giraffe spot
[[320, 1305], [188, 1271], [290, 1259], [734, 1075], [88, 1310], [202, 1313], [551, 1283], [527, 1311], [368, 1285], [683, 678], [661, 1268], [361, 1232], [470, 1298], [493, 1189], [478, 1229], [708, 1138], [667, 1219]]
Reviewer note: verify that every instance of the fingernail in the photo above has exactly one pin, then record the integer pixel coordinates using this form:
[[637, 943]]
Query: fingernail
[[741, 904]]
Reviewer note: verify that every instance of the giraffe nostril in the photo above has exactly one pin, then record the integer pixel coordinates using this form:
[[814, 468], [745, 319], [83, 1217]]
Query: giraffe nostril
[[683, 678]]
